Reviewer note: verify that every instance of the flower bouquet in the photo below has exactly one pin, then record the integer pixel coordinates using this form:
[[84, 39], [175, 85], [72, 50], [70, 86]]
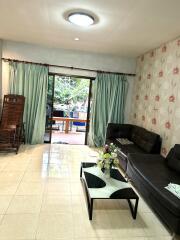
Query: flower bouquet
[[108, 159]]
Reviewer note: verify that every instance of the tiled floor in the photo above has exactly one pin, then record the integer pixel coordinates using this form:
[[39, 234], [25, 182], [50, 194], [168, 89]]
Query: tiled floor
[[41, 198]]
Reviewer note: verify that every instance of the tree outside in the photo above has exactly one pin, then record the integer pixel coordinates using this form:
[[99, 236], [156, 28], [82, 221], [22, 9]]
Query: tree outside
[[71, 94]]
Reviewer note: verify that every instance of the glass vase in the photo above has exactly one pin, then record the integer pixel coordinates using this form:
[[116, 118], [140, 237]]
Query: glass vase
[[107, 173]]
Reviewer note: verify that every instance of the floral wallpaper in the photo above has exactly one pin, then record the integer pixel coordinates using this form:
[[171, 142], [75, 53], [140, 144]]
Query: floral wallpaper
[[156, 96]]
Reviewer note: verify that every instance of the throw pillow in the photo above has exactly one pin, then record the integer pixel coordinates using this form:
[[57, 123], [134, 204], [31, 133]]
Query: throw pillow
[[124, 141]]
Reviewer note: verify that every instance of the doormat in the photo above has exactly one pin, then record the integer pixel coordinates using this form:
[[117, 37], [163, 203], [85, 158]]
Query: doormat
[[80, 130], [60, 142]]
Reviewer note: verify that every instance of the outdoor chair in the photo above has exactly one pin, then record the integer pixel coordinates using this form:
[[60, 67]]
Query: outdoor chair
[[58, 113], [78, 124], [11, 125]]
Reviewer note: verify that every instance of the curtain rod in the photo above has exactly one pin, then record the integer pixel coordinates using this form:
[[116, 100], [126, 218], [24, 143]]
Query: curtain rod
[[68, 67]]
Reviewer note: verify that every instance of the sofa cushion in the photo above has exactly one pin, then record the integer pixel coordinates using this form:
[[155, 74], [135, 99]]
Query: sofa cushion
[[173, 158], [157, 176], [124, 141], [144, 138]]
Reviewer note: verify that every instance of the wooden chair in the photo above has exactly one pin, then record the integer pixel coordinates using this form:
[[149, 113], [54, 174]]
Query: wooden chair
[[11, 125]]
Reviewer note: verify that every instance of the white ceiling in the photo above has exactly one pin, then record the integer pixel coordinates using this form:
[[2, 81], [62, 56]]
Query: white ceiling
[[125, 27]]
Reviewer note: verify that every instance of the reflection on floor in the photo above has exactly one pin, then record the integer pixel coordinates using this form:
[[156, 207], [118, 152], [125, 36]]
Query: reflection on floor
[[41, 198]]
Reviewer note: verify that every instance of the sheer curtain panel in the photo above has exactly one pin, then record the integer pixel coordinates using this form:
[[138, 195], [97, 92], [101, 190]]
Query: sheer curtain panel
[[109, 95], [31, 81]]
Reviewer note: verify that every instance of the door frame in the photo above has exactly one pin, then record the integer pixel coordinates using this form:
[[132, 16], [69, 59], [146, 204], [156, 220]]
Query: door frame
[[91, 79], [52, 105], [88, 111]]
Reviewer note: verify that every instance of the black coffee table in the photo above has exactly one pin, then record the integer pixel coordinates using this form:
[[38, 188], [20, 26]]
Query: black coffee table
[[97, 186]]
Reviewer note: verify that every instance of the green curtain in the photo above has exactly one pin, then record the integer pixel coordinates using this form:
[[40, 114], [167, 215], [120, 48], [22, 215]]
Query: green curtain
[[108, 103], [31, 80]]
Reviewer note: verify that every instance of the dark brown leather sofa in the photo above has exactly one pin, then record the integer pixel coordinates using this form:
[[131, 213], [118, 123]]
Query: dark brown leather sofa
[[143, 140], [151, 173]]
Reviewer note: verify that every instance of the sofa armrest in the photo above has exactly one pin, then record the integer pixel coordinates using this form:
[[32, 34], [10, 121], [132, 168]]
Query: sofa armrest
[[117, 130], [145, 157]]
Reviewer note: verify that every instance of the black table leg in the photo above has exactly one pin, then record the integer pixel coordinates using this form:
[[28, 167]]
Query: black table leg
[[89, 200], [133, 210], [90, 210], [81, 171]]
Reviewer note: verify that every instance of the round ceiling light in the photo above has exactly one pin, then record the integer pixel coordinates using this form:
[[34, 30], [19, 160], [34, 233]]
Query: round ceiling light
[[81, 19]]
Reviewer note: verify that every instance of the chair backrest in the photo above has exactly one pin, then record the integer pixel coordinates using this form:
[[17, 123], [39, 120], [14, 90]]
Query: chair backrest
[[75, 114], [58, 113], [12, 111]]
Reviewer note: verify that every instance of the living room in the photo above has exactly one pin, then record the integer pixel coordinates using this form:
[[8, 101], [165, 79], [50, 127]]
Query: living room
[[132, 48]]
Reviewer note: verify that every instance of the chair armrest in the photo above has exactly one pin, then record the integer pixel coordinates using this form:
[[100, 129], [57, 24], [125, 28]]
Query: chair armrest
[[117, 130]]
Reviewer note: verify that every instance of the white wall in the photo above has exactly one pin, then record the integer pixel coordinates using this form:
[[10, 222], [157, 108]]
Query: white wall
[[35, 53]]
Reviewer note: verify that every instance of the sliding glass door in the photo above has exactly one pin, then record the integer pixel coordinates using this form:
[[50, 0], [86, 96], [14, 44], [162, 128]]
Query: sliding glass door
[[68, 109]]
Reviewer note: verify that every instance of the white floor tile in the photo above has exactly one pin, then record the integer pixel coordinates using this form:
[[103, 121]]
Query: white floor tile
[[11, 176], [30, 188], [25, 204], [56, 204], [8, 188], [18, 226], [4, 202], [54, 226], [124, 225], [60, 188], [153, 226], [42, 198]]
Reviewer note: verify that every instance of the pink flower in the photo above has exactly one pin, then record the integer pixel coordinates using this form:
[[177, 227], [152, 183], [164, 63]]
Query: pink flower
[[157, 98], [164, 48], [152, 54], [149, 76], [171, 98], [143, 118], [154, 121], [161, 73], [168, 125], [176, 70], [146, 97], [106, 149]]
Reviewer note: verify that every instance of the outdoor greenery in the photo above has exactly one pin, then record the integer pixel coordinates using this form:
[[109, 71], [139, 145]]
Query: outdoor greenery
[[68, 90]]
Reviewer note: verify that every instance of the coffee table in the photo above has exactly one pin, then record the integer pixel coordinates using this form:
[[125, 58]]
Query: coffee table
[[97, 186]]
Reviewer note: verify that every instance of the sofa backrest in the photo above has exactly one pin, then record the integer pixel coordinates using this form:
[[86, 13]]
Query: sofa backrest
[[146, 140], [116, 130]]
